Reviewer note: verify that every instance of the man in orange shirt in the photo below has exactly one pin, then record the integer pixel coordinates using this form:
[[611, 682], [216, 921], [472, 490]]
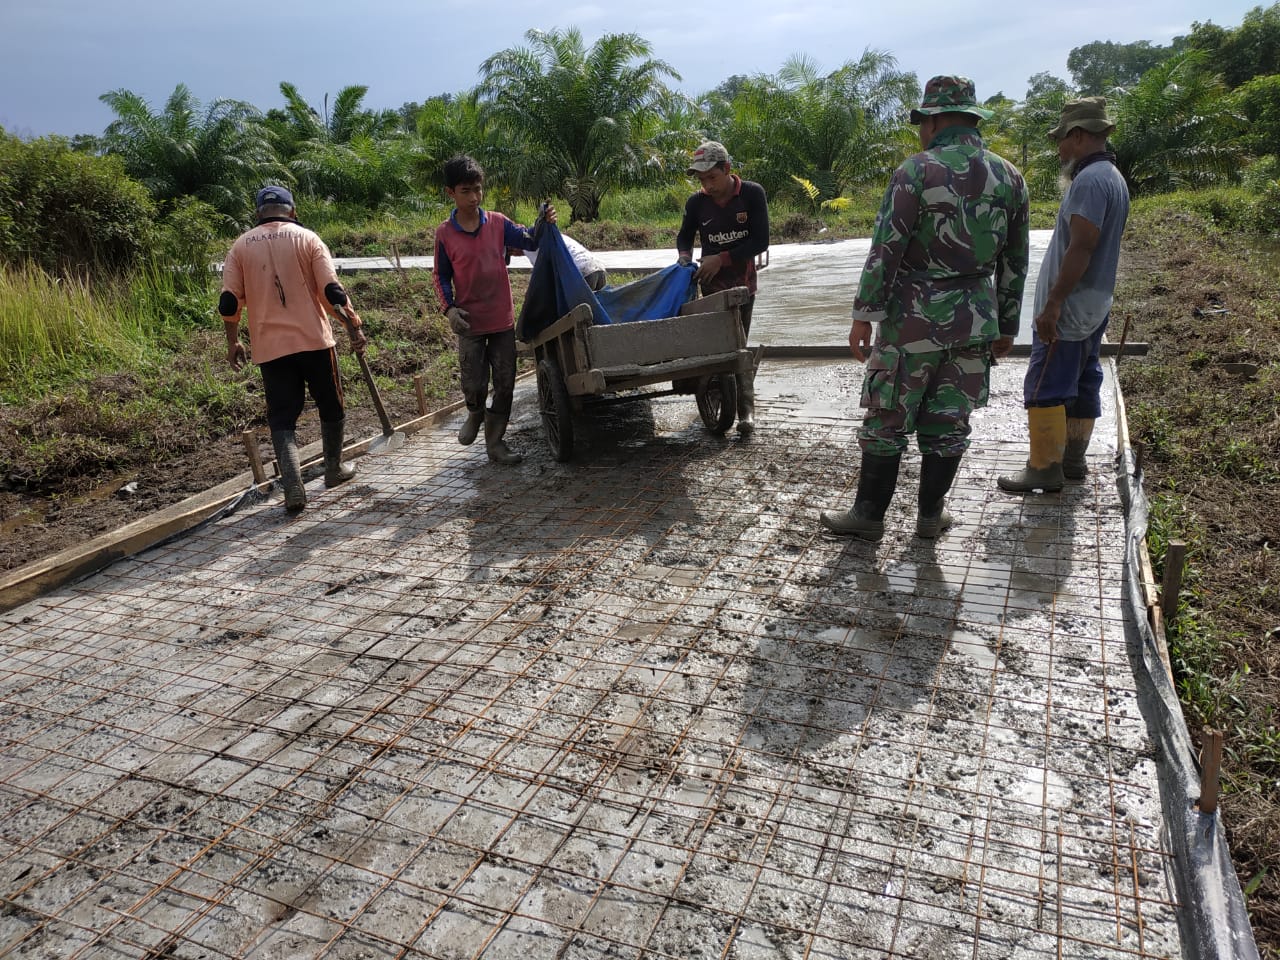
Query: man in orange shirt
[[282, 273]]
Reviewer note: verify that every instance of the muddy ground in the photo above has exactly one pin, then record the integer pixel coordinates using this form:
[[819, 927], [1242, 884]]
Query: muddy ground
[[37, 525]]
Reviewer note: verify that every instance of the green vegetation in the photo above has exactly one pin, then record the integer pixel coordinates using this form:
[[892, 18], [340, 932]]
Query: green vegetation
[[1202, 404], [838, 131], [187, 150], [577, 122], [67, 212]]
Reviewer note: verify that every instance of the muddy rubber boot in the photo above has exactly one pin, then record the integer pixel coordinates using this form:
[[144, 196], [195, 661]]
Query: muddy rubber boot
[[286, 447], [746, 402], [470, 428], [865, 519], [335, 471], [936, 476], [1048, 428], [1079, 432], [499, 452]]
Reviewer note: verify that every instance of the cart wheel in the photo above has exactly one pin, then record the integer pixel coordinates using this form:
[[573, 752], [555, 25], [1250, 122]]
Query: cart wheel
[[557, 414], [717, 402]]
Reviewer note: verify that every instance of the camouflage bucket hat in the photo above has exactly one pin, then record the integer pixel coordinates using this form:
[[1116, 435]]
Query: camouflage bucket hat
[[1089, 113], [949, 94]]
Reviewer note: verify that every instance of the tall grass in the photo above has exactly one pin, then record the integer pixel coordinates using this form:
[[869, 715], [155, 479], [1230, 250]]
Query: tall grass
[[54, 329]]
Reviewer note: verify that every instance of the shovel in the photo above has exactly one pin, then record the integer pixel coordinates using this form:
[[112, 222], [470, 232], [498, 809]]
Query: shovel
[[391, 439]]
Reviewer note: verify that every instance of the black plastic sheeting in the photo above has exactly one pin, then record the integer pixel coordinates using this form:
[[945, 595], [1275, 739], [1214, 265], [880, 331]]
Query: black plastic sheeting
[[556, 287], [1213, 921]]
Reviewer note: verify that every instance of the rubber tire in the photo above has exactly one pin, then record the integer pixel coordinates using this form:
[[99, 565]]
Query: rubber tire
[[717, 402], [556, 410]]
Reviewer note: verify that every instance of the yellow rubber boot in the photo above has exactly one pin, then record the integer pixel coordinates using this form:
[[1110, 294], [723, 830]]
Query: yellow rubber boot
[[1048, 429], [1079, 432]]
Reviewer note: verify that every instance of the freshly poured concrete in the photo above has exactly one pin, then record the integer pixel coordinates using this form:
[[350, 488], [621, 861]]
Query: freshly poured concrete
[[805, 291], [632, 706]]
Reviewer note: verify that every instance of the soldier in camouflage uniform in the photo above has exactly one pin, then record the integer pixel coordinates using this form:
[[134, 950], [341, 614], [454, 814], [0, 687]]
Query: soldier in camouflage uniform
[[943, 282]]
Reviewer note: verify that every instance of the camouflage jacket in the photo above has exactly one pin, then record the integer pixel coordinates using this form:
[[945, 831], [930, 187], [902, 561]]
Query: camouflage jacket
[[948, 258]]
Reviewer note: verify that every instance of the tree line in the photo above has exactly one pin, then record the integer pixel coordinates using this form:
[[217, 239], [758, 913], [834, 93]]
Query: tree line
[[558, 117]]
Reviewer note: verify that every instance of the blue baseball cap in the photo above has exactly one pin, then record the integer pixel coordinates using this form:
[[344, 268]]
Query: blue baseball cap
[[273, 195]]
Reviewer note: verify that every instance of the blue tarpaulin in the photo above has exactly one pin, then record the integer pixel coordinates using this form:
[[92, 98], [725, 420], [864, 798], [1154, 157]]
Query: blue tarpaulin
[[556, 287]]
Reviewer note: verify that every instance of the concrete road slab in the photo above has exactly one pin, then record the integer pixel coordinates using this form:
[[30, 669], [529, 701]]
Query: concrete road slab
[[636, 705]]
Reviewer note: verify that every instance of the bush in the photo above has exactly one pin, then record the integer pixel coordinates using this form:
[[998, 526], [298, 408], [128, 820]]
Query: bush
[[1236, 209], [192, 237], [793, 226], [69, 212], [1262, 173]]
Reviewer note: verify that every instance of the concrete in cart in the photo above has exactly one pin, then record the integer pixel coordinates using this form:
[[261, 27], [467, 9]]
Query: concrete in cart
[[633, 705]]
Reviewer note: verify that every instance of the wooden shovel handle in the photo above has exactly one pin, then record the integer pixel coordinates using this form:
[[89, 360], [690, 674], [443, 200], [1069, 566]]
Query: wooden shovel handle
[[387, 429]]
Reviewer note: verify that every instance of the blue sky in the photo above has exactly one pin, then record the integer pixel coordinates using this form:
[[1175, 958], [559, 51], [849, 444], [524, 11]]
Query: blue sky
[[58, 56]]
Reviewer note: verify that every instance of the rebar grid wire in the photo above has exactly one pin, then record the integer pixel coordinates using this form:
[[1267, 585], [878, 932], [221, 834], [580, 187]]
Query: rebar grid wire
[[633, 706]]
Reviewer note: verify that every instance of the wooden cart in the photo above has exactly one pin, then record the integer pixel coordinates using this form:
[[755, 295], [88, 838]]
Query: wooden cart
[[698, 352]]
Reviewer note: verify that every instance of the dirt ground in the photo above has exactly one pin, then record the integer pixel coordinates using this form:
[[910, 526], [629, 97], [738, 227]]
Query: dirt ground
[[1202, 405], [36, 526]]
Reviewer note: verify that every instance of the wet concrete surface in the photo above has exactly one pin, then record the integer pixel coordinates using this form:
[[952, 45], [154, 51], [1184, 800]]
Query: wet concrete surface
[[636, 705], [806, 291]]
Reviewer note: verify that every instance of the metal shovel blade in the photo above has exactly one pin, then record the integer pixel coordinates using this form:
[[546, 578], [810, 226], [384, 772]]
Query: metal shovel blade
[[386, 443]]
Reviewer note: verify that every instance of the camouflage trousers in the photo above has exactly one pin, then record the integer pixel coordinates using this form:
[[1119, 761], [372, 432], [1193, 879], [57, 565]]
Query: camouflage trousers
[[930, 394]]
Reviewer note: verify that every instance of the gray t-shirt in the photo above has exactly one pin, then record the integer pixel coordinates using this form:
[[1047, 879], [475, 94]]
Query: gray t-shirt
[[1098, 193]]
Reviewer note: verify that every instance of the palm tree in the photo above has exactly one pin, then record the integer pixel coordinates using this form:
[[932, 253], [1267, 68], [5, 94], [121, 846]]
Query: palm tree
[[674, 128], [217, 154], [346, 153], [1026, 129], [365, 170], [575, 119], [448, 125], [300, 123], [1258, 100], [1177, 128], [834, 129]]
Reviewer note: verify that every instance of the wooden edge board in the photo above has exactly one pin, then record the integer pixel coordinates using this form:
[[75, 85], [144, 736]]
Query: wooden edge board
[[29, 581]]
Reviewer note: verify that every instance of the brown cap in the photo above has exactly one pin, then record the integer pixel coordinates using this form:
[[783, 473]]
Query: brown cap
[[1089, 113]]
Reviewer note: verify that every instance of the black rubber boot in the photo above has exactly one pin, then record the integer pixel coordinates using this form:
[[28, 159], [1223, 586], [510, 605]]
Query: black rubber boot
[[335, 471], [876, 482], [286, 447], [936, 476], [494, 429], [470, 428], [1074, 464], [746, 402]]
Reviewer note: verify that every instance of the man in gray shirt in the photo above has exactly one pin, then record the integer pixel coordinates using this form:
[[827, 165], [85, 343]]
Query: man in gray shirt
[[1062, 389]]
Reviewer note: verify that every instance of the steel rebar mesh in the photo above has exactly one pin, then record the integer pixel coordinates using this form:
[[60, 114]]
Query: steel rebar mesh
[[633, 706]]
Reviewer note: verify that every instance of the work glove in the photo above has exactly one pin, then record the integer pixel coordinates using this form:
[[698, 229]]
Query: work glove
[[685, 260], [355, 329], [458, 320]]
